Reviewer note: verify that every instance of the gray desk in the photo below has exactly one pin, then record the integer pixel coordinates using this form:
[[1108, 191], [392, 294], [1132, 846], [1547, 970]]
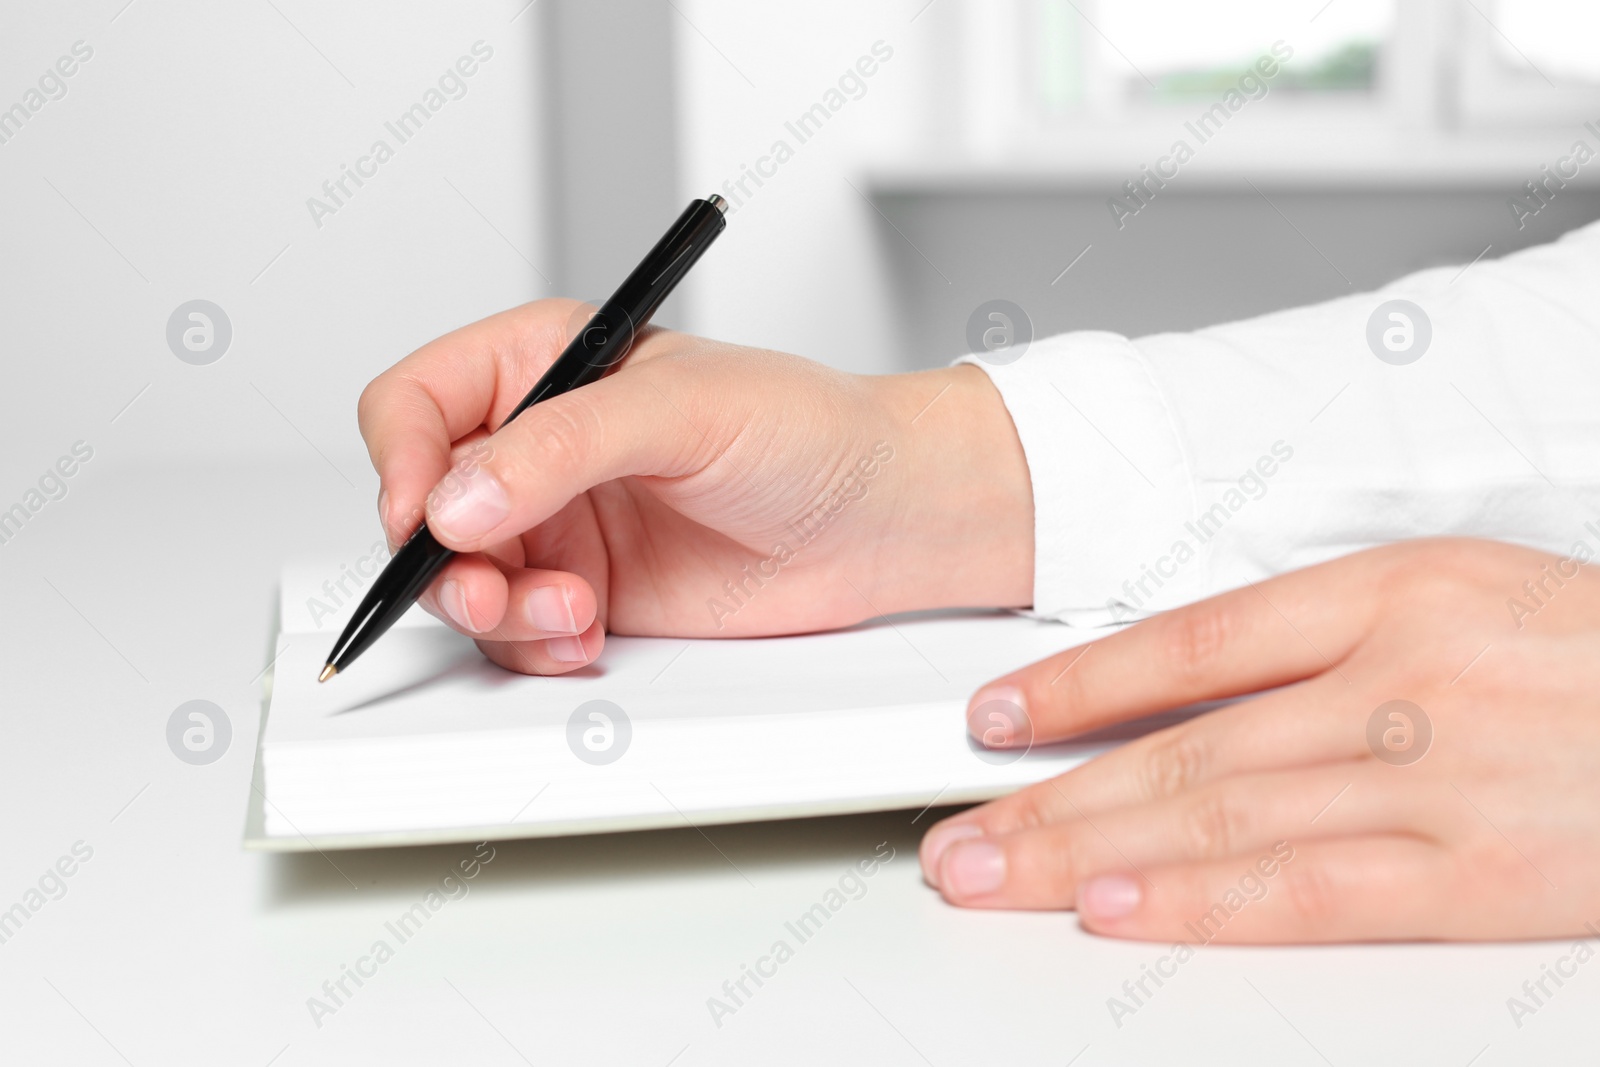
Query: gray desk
[[144, 589]]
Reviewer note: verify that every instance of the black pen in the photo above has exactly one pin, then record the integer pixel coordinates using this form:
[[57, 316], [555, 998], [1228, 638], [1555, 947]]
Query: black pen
[[599, 346]]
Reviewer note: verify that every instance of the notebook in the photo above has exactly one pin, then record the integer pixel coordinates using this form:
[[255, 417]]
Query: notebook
[[423, 740]]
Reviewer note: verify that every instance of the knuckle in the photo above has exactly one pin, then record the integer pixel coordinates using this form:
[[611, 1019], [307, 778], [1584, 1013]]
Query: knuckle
[[564, 434], [1214, 823], [1177, 760], [1438, 569], [1044, 867], [1191, 892], [1195, 639], [1030, 809], [1056, 865], [1311, 896]]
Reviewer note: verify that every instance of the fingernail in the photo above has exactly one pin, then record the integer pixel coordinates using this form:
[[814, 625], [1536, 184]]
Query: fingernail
[[453, 599], [1110, 896], [470, 506], [939, 839], [998, 717], [567, 650], [550, 610], [973, 868]]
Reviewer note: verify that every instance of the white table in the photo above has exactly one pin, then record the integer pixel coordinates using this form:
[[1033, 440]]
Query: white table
[[144, 589]]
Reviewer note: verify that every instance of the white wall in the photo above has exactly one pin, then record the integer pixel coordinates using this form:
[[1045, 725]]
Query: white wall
[[987, 197], [190, 142], [799, 267], [192, 138]]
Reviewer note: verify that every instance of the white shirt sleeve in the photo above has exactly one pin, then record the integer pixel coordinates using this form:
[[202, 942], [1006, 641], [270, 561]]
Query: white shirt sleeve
[[1172, 467]]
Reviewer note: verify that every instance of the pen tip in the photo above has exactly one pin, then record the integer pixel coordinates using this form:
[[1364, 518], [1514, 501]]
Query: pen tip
[[327, 672]]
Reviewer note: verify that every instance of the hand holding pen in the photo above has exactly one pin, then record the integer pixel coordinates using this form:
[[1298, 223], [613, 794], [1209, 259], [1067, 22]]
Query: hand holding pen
[[599, 346], [702, 489]]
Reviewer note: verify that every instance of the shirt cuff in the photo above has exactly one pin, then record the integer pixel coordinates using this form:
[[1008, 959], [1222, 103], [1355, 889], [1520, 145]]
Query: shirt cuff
[[1113, 491]]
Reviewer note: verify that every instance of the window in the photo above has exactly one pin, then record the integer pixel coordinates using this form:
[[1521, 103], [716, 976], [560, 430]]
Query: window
[[1437, 62], [1119, 52], [1527, 61], [1178, 48], [1558, 37]]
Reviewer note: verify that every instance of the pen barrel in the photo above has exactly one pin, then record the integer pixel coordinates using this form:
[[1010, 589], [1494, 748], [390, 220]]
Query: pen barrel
[[408, 573], [599, 346], [609, 335]]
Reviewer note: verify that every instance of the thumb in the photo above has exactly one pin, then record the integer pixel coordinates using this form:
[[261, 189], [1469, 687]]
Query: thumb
[[526, 472]]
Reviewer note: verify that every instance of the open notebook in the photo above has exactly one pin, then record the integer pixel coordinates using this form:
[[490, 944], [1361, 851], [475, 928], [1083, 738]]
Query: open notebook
[[423, 740]]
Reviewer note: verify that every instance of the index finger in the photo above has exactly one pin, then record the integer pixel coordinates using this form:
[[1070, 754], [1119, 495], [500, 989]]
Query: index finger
[[468, 379], [1283, 630]]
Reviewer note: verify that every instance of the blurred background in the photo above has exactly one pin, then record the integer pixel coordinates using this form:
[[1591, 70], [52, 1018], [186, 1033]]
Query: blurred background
[[222, 220], [892, 165]]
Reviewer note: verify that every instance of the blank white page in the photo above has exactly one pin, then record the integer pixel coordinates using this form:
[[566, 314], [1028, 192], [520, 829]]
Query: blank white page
[[424, 739]]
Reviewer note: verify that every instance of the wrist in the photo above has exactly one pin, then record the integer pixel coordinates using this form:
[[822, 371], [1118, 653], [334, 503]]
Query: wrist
[[961, 528]]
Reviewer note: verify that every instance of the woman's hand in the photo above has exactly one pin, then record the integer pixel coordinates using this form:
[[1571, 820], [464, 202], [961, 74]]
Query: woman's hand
[[1319, 811], [702, 490]]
